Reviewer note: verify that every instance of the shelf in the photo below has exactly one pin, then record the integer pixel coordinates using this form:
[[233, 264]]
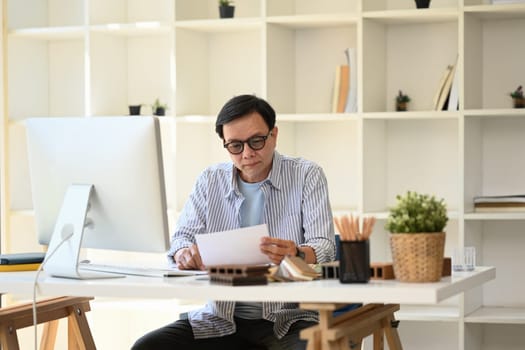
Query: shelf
[[491, 113], [412, 115], [413, 16], [314, 21], [422, 313], [133, 29], [48, 33], [497, 315], [497, 12], [494, 216], [221, 25]]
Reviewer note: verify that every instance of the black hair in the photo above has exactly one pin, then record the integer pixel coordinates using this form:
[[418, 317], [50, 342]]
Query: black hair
[[242, 105]]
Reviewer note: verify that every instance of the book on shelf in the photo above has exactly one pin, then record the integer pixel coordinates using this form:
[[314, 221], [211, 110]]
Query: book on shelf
[[341, 87], [508, 2], [513, 198], [500, 205], [336, 88], [351, 101], [510, 209], [442, 82], [445, 92], [453, 99]]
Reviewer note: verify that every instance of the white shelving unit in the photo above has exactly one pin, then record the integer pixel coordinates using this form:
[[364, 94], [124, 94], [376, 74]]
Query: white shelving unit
[[95, 57]]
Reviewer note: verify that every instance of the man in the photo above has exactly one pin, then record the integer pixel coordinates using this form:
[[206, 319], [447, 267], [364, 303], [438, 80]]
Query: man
[[259, 186]]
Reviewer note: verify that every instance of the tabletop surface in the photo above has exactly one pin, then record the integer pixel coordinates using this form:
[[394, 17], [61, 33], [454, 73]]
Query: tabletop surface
[[199, 287]]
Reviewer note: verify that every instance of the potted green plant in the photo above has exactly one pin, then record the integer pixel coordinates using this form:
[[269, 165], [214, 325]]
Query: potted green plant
[[417, 239], [402, 101], [226, 9], [159, 108], [517, 97]]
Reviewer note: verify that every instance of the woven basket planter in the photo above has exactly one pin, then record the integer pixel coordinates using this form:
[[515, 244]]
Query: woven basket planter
[[418, 257]]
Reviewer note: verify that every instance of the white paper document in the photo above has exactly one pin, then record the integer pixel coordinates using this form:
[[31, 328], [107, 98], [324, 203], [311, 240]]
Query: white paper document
[[240, 246]]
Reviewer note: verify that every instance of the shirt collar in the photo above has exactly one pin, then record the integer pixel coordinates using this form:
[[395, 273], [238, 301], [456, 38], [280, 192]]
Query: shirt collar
[[273, 178]]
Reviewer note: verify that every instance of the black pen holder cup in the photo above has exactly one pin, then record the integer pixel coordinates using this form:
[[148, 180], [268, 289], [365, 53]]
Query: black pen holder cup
[[354, 261]]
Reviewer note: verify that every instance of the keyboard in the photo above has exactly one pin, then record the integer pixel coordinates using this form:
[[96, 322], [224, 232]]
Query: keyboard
[[137, 271]]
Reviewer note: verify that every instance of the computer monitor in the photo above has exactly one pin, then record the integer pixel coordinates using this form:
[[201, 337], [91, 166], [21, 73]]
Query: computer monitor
[[97, 182]]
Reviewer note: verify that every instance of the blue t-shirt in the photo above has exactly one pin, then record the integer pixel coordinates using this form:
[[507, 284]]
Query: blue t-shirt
[[251, 214]]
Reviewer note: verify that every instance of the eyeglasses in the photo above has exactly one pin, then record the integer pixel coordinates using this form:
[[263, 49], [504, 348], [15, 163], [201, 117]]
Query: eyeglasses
[[256, 143]]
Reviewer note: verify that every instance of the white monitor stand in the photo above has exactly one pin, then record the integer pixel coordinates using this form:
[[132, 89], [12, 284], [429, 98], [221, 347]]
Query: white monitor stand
[[64, 248]]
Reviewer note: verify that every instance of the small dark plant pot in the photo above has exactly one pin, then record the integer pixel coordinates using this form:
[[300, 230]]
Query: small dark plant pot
[[519, 102], [134, 109], [226, 11], [401, 106], [422, 4], [160, 111]]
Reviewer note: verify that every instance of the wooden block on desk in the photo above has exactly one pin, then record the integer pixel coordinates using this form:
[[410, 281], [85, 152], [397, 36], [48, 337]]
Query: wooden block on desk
[[239, 270], [381, 271], [330, 270], [232, 280], [447, 267]]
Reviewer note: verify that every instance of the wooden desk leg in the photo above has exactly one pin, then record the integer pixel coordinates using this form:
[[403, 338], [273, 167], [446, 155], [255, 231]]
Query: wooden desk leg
[[49, 335], [391, 334], [347, 331], [48, 311], [79, 334], [378, 336], [8, 337]]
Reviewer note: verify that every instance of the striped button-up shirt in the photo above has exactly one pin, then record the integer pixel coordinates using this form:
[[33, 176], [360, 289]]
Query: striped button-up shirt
[[296, 207]]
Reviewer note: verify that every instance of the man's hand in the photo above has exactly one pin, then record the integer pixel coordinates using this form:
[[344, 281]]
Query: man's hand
[[276, 249], [189, 259]]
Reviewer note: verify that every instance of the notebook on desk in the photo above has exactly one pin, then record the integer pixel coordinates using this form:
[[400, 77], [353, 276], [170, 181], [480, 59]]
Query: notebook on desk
[[168, 271]]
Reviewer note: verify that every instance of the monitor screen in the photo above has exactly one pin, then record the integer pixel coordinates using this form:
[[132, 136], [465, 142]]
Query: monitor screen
[[104, 174]]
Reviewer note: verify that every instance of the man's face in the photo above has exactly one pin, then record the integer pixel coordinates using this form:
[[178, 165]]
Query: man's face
[[253, 165]]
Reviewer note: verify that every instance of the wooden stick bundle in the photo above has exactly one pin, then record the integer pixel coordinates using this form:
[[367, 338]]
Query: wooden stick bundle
[[350, 229]]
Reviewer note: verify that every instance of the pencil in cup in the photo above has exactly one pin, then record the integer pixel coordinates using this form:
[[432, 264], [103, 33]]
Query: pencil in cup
[[349, 227]]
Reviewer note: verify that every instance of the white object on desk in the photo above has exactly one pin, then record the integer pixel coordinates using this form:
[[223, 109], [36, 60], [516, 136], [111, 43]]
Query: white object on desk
[[123, 270], [240, 246]]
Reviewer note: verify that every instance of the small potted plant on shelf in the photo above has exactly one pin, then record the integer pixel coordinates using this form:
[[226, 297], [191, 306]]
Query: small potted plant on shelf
[[422, 4], [402, 101], [134, 109], [159, 108], [517, 97], [417, 238], [226, 8]]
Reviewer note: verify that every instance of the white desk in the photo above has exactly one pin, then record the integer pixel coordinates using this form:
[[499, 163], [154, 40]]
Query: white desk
[[382, 297], [198, 287]]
